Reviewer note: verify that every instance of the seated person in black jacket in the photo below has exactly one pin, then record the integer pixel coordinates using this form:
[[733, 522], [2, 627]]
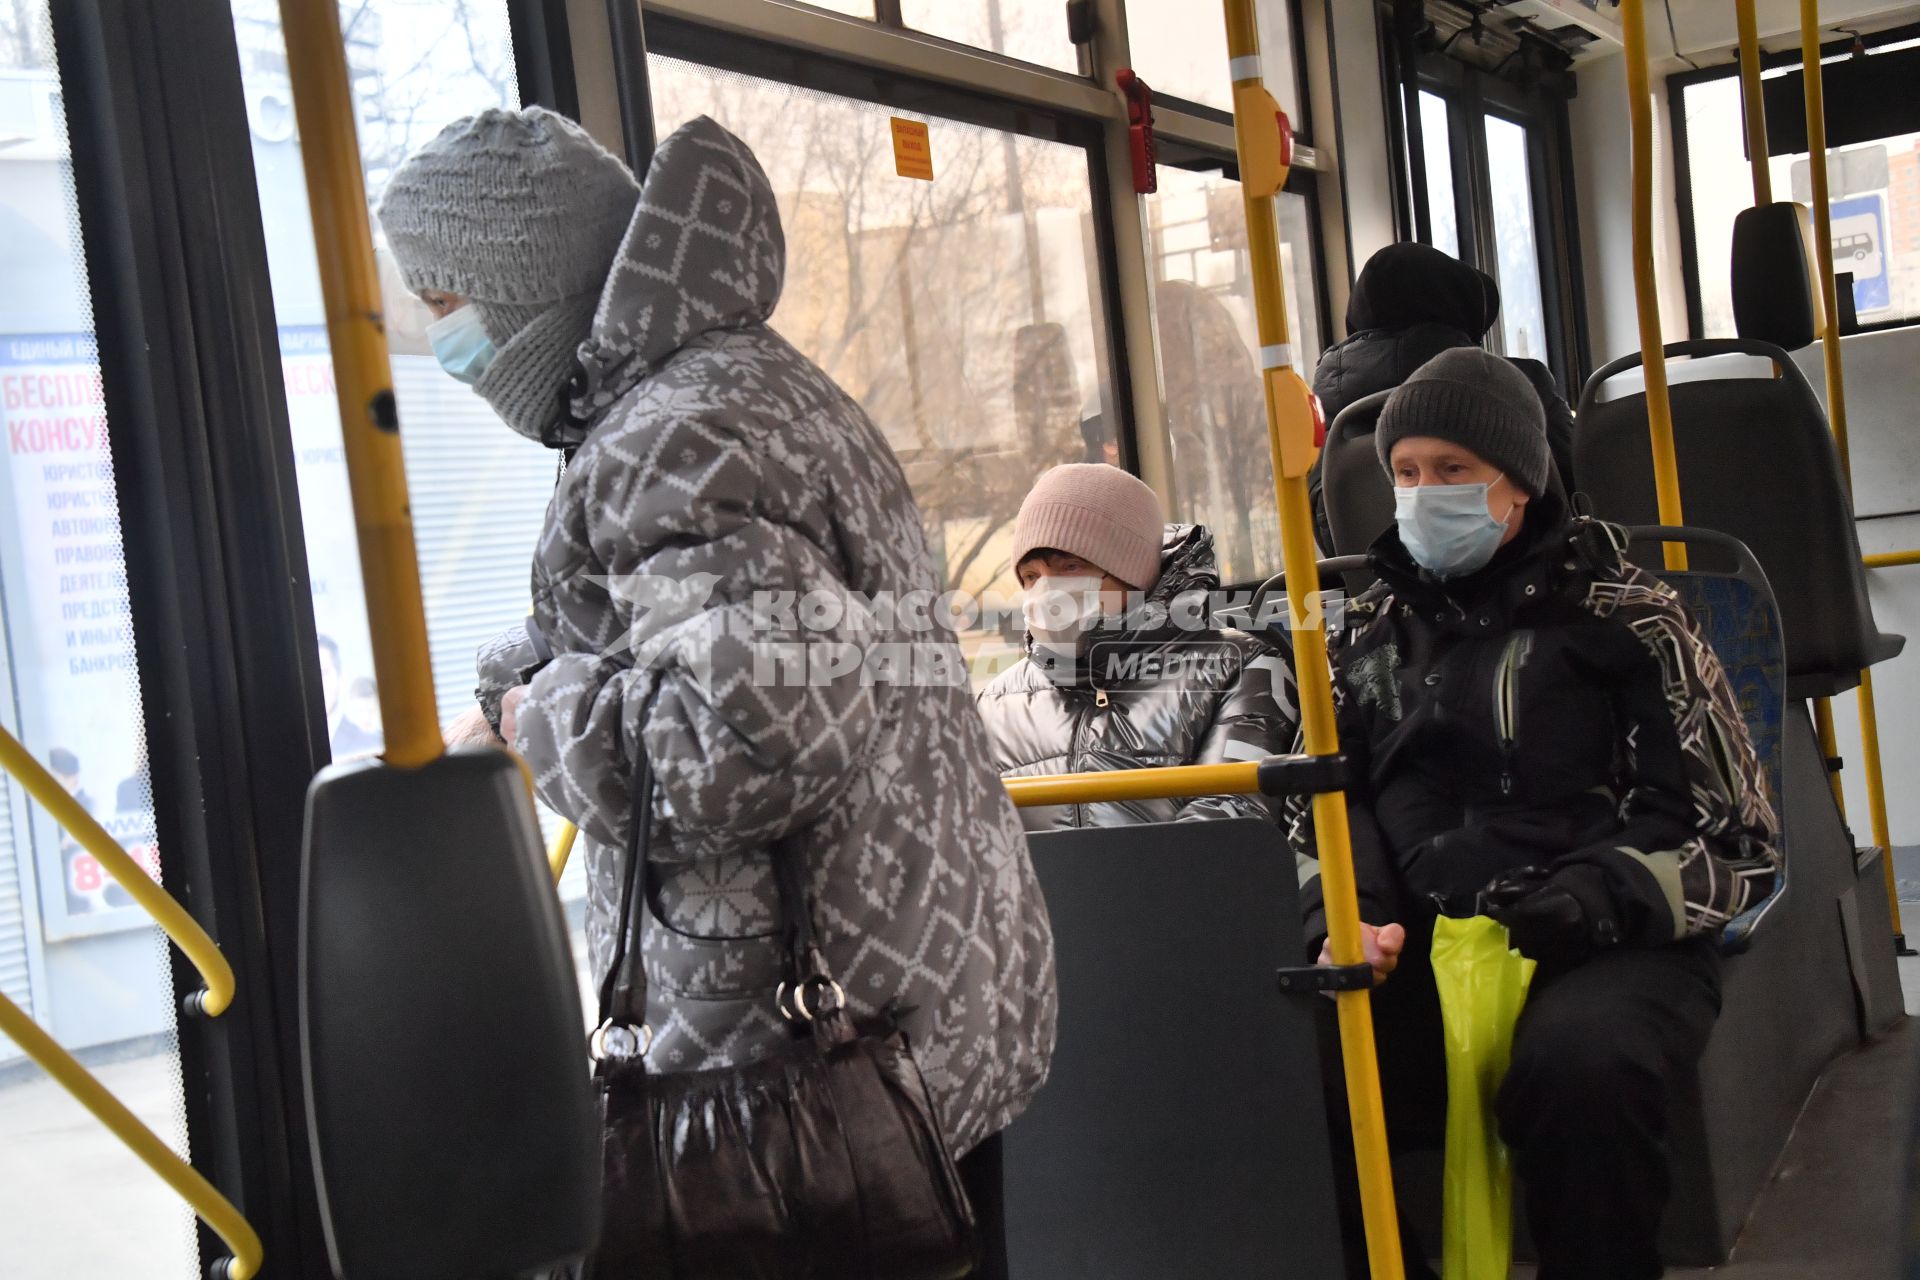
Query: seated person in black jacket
[[1538, 730], [1410, 303]]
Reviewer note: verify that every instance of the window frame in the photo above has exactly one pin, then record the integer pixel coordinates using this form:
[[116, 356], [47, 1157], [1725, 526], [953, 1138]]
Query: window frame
[[1470, 93], [692, 41], [1677, 85]]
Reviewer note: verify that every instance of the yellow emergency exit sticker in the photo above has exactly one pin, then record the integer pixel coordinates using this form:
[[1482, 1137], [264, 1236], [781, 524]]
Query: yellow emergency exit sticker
[[912, 150]]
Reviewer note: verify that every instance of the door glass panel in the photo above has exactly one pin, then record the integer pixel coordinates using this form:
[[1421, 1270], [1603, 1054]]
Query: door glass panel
[[75, 953], [1436, 141], [1523, 324], [479, 491], [1181, 49], [1209, 370], [964, 314], [1030, 30]]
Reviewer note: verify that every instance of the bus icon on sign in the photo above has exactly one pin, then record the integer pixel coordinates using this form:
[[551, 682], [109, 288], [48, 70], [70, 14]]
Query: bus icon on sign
[[1854, 247], [1857, 248]]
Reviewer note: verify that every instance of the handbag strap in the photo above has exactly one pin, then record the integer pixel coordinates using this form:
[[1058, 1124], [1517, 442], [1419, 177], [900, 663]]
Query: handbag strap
[[808, 986]]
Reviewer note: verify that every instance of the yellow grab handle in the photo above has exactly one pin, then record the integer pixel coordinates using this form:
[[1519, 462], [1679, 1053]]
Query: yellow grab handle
[[214, 1209], [369, 422], [1753, 102], [154, 900], [1823, 230], [1891, 559], [1292, 434], [1653, 353]]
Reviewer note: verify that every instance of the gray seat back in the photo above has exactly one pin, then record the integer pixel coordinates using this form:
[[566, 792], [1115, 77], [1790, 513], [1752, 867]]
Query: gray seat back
[[1756, 461]]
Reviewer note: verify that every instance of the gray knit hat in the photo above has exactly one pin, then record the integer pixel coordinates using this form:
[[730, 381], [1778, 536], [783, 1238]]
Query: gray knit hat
[[522, 212], [1478, 401]]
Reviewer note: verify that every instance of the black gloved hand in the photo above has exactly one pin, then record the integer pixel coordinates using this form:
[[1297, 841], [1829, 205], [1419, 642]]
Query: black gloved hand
[[1560, 917]]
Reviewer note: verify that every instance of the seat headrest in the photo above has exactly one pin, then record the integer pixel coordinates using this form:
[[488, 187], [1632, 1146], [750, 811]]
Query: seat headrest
[[1776, 284]]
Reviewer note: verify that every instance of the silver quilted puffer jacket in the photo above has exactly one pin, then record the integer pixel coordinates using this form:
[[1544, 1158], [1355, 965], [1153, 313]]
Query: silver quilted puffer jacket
[[719, 470], [1165, 696]]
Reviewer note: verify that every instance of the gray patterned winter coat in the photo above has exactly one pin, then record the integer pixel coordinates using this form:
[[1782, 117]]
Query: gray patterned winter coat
[[721, 477], [1154, 695]]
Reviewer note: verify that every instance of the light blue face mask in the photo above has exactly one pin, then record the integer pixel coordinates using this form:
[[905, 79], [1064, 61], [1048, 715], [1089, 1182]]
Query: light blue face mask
[[461, 345], [1446, 528]]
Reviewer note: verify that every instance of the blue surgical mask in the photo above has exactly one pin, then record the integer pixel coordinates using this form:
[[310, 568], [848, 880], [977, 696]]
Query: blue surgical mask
[[461, 345], [1446, 528]]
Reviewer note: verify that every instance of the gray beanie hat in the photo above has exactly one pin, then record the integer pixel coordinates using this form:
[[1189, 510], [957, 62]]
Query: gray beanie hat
[[1478, 401], [523, 213]]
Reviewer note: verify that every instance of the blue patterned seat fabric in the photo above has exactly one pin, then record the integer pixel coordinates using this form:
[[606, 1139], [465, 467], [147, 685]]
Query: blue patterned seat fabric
[[1742, 624]]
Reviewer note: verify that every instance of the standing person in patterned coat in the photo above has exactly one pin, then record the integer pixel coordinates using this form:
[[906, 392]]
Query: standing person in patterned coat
[[1537, 728], [719, 486]]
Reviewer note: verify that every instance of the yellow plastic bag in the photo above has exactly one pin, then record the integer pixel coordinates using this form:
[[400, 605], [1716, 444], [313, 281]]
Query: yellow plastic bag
[[1483, 985]]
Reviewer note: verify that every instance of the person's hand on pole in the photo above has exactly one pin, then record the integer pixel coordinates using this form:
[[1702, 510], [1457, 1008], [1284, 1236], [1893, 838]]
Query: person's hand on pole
[[510, 712], [470, 728], [1383, 944]]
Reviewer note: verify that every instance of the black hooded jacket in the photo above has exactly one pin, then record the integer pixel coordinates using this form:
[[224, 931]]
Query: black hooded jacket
[[1559, 706], [1410, 303]]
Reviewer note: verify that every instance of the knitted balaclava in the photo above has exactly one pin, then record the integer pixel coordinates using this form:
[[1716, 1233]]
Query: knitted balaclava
[[521, 212], [1477, 401]]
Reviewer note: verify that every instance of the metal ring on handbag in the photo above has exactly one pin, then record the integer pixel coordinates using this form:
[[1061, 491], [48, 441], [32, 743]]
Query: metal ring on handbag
[[819, 986], [619, 1041]]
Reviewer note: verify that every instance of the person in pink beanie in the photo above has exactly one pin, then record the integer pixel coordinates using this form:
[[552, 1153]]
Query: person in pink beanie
[[1124, 667]]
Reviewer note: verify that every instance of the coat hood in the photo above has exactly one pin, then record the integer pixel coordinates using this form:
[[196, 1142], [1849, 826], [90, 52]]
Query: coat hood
[[704, 252], [1407, 284], [1187, 562]]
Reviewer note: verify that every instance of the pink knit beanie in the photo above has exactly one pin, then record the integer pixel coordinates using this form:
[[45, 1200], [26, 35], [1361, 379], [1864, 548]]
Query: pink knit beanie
[[1099, 513]]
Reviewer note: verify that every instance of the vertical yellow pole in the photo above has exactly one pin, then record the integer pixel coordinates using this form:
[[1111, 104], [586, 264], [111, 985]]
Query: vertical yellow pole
[[1837, 413], [1653, 354], [1754, 103], [1262, 144], [1829, 749], [369, 423]]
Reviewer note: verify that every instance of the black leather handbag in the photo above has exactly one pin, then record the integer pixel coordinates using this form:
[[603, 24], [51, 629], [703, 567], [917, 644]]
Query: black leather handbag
[[822, 1159]]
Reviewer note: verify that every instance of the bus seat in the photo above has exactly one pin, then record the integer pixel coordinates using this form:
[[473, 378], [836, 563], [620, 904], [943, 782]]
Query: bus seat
[[1740, 621], [1181, 1132], [1756, 461], [1359, 499], [1776, 287]]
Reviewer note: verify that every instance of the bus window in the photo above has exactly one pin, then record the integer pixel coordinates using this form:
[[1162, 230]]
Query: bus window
[[964, 313], [1436, 141], [1182, 52], [75, 953], [1030, 30], [1210, 378], [479, 491], [1523, 323], [1874, 187]]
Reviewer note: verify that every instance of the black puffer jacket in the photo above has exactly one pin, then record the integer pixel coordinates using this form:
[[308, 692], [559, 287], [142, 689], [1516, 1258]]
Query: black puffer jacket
[[1410, 303], [1194, 697], [1559, 706]]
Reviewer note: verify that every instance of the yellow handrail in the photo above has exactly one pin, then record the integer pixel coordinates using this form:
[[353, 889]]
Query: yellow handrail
[[1135, 784], [1653, 354], [370, 430], [1890, 559], [154, 900], [1262, 144], [562, 849], [1753, 102], [1837, 416], [214, 1209]]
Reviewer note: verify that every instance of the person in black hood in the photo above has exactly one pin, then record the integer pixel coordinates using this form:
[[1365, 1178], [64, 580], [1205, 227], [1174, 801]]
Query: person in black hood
[[1536, 730], [1410, 303]]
